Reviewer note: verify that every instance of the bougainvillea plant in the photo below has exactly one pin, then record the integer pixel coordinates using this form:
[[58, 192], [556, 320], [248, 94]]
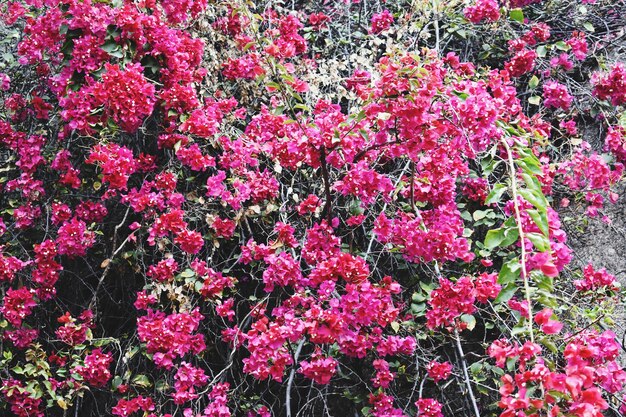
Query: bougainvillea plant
[[299, 208]]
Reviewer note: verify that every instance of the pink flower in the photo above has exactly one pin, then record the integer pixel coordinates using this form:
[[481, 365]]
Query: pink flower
[[125, 408], [596, 279], [439, 371], [190, 241], [163, 271], [612, 85], [22, 403], [578, 43], [616, 142], [319, 20], [483, 10], [382, 406], [320, 369], [487, 287], [569, 126], [548, 326], [73, 333], [562, 61], [449, 301], [521, 63], [170, 336], [18, 304], [95, 371], [520, 306], [224, 228], [5, 82], [117, 163], [226, 309], [381, 21], [308, 205], [248, 67], [9, 266], [144, 300], [21, 338], [127, 95], [476, 189], [179, 11], [192, 157], [383, 375], [427, 407], [556, 95], [282, 270], [187, 379], [74, 239]]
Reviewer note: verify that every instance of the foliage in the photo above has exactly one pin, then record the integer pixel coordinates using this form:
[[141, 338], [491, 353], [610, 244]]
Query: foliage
[[307, 208]]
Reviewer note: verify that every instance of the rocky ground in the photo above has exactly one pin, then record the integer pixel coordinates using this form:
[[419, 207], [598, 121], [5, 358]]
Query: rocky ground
[[604, 246]]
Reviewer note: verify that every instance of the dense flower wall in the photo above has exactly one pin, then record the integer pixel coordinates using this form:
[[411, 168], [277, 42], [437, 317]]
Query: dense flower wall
[[216, 208]]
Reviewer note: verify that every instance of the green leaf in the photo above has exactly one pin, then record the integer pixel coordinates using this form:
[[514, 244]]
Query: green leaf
[[480, 214], [151, 63], [539, 241], [141, 381], [470, 320], [539, 202], [117, 381], [541, 220], [517, 15], [187, 273], [117, 53], [418, 310], [103, 341], [494, 238], [562, 46], [532, 183], [301, 106], [542, 51], [549, 344], [534, 100], [530, 165], [589, 27], [509, 273], [516, 331], [418, 297], [476, 367], [496, 194], [427, 287], [543, 281], [510, 236], [273, 84], [111, 47], [533, 83]]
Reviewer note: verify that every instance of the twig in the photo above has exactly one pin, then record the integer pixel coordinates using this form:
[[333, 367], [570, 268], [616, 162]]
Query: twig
[[327, 205], [292, 374], [468, 383], [436, 21], [520, 229], [395, 186], [110, 259]]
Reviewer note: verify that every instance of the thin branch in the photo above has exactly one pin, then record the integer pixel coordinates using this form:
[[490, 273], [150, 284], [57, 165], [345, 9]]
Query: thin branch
[[328, 204], [520, 229], [468, 382], [109, 261], [292, 374]]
